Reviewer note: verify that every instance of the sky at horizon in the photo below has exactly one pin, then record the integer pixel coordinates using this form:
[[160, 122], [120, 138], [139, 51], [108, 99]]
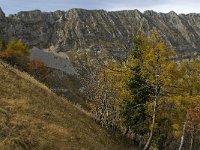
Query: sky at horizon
[[179, 6]]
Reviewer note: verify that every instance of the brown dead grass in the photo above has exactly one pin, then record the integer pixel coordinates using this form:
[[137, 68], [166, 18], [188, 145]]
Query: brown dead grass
[[33, 117]]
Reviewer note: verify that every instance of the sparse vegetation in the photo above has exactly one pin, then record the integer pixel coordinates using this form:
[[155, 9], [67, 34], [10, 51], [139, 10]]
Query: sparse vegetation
[[33, 117], [17, 54]]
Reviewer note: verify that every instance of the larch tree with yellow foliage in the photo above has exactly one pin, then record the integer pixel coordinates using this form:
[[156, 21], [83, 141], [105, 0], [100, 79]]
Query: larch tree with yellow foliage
[[186, 100], [16, 53], [155, 59]]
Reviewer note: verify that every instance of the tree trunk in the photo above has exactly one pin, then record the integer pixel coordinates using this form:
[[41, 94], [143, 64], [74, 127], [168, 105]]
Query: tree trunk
[[157, 92], [183, 135], [126, 132], [148, 144], [192, 138]]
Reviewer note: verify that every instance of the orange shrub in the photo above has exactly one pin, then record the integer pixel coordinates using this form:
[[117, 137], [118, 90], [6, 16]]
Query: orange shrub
[[38, 69]]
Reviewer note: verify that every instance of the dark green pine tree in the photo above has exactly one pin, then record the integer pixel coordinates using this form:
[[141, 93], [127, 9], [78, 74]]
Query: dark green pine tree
[[133, 111]]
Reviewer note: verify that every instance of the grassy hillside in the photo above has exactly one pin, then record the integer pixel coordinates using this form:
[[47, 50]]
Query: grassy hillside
[[33, 117]]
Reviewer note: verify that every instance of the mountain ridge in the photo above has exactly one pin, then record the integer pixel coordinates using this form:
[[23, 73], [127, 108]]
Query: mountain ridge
[[99, 29], [83, 9]]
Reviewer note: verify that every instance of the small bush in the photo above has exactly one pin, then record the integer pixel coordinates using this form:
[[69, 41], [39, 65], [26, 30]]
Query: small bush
[[16, 53], [38, 69]]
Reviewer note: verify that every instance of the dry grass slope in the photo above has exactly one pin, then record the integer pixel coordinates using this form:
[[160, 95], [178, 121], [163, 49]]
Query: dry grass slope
[[33, 117]]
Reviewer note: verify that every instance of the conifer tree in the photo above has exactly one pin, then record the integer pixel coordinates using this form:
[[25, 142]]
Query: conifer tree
[[150, 62], [133, 110]]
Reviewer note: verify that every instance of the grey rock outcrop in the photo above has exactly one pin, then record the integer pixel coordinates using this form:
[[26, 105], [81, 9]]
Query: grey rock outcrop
[[96, 29], [55, 61]]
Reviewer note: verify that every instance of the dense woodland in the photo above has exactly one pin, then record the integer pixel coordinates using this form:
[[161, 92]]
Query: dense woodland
[[150, 97]]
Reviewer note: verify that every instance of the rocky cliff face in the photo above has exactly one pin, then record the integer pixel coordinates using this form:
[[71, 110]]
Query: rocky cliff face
[[96, 29]]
